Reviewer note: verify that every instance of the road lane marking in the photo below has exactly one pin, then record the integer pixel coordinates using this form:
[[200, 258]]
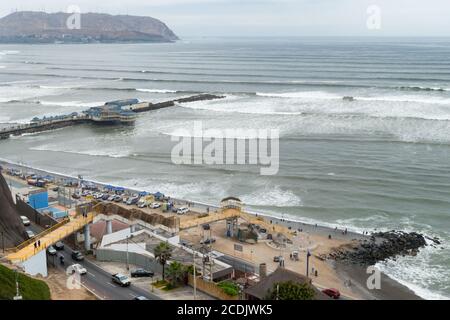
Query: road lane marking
[[91, 274]]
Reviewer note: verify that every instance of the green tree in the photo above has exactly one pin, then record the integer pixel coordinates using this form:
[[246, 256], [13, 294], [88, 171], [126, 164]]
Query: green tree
[[176, 273], [291, 291], [163, 252]]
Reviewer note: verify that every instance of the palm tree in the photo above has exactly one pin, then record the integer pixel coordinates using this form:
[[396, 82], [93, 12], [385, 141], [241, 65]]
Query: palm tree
[[163, 252], [176, 273]]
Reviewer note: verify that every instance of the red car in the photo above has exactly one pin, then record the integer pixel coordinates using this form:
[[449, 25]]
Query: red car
[[332, 293]]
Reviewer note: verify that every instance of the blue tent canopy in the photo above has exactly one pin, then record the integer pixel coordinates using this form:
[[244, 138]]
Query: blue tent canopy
[[143, 194], [159, 195], [120, 189], [109, 187]]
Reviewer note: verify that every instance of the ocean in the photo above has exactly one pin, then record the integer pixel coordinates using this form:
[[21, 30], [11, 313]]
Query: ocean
[[380, 162]]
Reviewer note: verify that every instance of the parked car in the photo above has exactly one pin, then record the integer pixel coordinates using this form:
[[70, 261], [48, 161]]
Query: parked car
[[77, 268], [26, 222], [30, 234], [55, 189], [118, 199], [183, 210], [142, 298], [76, 196], [105, 197], [277, 258], [51, 251], [59, 246], [77, 256], [132, 201], [155, 205], [141, 273], [208, 241], [125, 200], [332, 293], [121, 280], [111, 198]]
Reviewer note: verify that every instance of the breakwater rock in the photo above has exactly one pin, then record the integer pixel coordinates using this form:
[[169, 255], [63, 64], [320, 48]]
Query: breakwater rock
[[379, 247]]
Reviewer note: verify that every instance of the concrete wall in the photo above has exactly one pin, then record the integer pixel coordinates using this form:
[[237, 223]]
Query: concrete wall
[[38, 218], [37, 264], [210, 288], [140, 260]]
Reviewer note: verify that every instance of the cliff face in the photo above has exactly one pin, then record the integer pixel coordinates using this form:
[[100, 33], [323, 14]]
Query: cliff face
[[41, 27], [10, 224]]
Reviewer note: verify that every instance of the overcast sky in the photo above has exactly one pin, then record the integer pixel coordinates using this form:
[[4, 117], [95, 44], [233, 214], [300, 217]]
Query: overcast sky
[[269, 17]]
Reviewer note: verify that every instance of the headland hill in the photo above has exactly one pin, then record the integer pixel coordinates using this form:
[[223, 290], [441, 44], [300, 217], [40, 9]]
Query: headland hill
[[41, 27]]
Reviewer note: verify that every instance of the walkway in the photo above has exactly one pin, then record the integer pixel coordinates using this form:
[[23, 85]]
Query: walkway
[[47, 238]]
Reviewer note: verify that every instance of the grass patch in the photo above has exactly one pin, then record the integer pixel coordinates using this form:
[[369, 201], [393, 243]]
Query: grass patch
[[30, 289], [230, 288], [160, 284], [169, 287]]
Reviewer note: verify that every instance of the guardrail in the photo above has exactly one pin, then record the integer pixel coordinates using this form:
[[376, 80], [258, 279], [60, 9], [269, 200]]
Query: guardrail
[[40, 235]]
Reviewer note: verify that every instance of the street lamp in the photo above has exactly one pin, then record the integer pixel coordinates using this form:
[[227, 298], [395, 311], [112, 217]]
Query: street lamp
[[308, 254]]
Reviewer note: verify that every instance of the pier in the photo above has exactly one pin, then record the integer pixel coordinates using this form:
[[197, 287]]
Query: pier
[[96, 116]]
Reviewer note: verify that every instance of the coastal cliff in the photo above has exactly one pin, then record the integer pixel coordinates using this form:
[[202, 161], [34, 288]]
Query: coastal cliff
[[11, 226], [41, 27]]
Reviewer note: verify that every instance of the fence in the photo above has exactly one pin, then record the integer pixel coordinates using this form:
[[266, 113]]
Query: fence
[[210, 288]]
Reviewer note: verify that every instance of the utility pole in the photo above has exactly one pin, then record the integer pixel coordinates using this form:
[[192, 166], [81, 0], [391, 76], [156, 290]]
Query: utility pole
[[128, 266], [3, 241], [195, 277], [17, 296], [307, 263]]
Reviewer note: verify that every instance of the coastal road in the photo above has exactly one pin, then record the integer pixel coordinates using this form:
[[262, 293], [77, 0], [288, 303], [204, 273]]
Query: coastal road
[[98, 281]]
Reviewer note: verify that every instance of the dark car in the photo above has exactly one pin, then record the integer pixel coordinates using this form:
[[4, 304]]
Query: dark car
[[76, 196], [51, 251], [332, 293], [141, 273], [277, 258], [105, 197], [77, 256], [208, 241], [59, 245], [121, 280]]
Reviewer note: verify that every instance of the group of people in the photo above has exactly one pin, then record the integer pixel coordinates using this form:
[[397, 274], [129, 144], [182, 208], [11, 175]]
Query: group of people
[[37, 245]]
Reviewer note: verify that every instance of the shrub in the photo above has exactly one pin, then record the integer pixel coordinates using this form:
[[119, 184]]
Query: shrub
[[230, 288]]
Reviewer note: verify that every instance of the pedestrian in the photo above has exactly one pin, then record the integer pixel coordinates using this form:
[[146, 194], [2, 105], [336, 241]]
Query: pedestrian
[[39, 243]]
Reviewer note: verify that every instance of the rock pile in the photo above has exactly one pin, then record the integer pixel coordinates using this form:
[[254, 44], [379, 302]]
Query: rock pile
[[379, 247]]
